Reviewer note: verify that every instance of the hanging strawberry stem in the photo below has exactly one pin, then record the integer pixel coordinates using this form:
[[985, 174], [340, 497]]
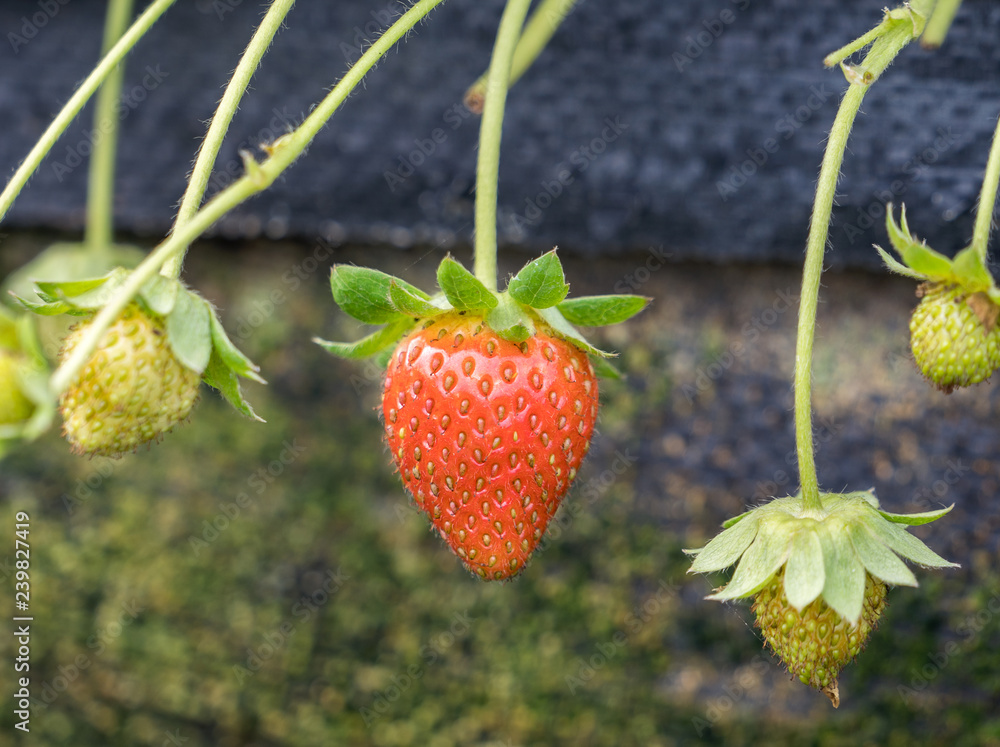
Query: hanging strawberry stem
[[490, 134], [542, 24], [939, 23], [101, 185], [221, 120], [77, 101], [898, 28], [987, 199]]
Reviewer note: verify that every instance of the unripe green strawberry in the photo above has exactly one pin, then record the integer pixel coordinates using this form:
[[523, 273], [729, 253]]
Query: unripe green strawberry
[[488, 434], [816, 642], [14, 406], [131, 391], [953, 336]]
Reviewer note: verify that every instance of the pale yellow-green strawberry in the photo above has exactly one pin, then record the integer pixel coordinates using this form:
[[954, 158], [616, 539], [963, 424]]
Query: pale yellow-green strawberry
[[954, 337], [816, 642], [131, 391], [14, 406]]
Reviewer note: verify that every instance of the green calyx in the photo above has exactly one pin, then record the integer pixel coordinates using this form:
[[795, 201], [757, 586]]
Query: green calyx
[[824, 554], [196, 337], [23, 376], [920, 262], [536, 295]]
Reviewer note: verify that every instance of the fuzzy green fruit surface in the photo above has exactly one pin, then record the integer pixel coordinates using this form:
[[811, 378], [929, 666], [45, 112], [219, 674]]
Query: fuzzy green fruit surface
[[816, 643], [953, 336], [14, 406], [130, 392]]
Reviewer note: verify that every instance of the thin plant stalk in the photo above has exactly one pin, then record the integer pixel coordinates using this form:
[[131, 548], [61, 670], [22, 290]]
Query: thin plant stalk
[[282, 153], [939, 23], [490, 134], [537, 33], [987, 198], [892, 38], [228, 106], [99, 231], [77, 101]]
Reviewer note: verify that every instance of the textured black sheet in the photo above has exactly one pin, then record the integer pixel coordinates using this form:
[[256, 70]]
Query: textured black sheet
[[675, 110]]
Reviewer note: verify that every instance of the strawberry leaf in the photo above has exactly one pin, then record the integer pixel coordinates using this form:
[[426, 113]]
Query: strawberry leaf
[[540, 283], [366, 346], [598, 311], [411, 304], [464, 290], [229, 354], [189, 331], [364, 293], [509, 320], [220, 376]]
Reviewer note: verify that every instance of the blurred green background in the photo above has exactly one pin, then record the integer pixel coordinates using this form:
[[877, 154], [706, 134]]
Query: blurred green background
[[247, 584]]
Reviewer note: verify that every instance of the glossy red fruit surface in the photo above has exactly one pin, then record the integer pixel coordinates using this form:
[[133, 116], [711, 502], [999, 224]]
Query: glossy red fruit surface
[[488, 434]]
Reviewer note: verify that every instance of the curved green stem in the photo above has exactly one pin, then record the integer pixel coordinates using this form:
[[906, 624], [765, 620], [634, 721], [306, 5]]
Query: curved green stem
[[895, 33], [490, 133], [534, 38], [99, 232], [77, 101], [224, 114], [259, 177], [987, 198], [939, 23]]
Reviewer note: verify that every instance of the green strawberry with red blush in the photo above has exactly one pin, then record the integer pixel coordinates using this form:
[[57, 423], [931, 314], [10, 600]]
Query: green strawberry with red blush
[[490, 399]]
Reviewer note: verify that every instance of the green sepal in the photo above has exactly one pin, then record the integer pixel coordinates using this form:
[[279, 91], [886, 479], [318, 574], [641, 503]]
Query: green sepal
[[407, 302], [373, 344], [604, 369], [725, 548], [895, 265], [509, 320], [762, 559], [969, 270], [88, 295], [844, 585], [541, 283], [464, 290], [189, 331], [65, 289], [229, 354], [53, 308], [364, 293], [159, 294], [878, 559], [914, 520], [220, 376], [805, 571], [554, 318], [599, 311], [915, 254]]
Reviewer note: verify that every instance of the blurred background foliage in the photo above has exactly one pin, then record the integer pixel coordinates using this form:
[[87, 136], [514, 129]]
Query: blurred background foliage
[[246, 584]]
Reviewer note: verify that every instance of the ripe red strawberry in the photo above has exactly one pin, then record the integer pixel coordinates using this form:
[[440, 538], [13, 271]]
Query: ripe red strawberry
[[488, 434]]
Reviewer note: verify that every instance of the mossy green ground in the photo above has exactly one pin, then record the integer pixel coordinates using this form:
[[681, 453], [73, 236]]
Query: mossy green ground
[[247, 584]]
